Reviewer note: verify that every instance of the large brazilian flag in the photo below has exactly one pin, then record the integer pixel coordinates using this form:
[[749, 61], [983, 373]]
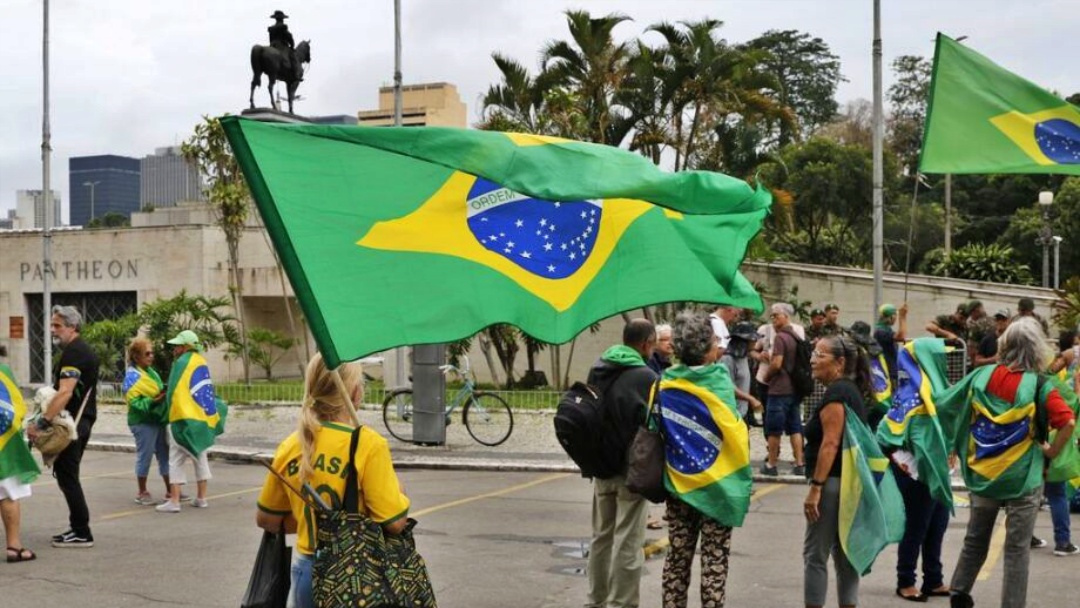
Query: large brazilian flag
[[396, 236], [15, 458], [993, 437], [196, 415], [706, 443], [871, 507], [912, 420], [985, 119]]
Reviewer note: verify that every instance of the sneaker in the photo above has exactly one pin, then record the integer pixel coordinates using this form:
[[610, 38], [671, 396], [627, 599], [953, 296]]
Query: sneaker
[[184, 497], [72, 540], [1066, 550], [200, 503], [168, 507], [799, 469], [770, 471], [59, 537], [1037, 543], [144, 500]]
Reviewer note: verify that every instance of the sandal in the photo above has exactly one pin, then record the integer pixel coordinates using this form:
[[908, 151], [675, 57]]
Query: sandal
[[20, 554], [939, 592], [918, 597]]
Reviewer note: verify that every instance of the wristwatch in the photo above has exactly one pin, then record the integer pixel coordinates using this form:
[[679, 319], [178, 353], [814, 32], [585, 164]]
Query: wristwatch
[[815, 483]]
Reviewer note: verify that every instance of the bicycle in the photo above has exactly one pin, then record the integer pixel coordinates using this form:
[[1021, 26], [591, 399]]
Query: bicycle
[[486, 416]]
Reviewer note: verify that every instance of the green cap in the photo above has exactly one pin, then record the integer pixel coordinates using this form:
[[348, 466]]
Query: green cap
[[886, 310], [186, 338]]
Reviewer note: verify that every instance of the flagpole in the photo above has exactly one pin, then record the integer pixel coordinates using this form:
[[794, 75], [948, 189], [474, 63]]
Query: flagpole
[[399, 354], [878, 214], [46, 199]]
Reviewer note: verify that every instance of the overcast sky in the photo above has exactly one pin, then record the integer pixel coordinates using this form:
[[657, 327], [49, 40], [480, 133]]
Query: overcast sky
[[131, 75]]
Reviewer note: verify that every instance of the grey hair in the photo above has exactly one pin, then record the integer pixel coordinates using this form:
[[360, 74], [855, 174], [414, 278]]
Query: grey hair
[[1023, 346], [661, 328], [69, 314], [693, 337], [782, 307]]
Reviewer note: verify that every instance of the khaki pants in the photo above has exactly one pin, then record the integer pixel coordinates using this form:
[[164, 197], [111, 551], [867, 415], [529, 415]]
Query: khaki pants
[[615, 554]]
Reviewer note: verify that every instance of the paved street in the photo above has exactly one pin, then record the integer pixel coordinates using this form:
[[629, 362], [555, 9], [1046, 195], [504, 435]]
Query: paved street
[[491, 539]]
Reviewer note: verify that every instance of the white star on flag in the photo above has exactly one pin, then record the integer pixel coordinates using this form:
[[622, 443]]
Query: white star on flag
[[547, 246], [526, 254], [551, 268], [543, 221], [519, 224]]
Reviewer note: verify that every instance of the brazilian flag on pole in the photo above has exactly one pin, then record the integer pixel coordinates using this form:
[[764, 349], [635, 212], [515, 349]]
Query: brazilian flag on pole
[[871, 507], [985, 119], [396, 236], [196, 415], [881, 383], [15, 458], [706, 442], [912, 423]]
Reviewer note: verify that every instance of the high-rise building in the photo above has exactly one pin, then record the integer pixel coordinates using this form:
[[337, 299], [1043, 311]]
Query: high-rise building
[[434, 104], [30, 209], [167, 178], [102, 184]]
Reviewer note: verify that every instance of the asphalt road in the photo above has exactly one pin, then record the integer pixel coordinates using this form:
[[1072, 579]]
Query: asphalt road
[[491, 539]]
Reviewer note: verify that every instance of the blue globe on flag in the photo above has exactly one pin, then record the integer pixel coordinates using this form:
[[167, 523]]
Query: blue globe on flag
[[202, 390], [693, 438], [7, 410], [1059, 140], [550, 239]]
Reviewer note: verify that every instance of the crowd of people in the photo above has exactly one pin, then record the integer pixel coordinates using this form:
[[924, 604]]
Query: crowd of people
[[749, 369]]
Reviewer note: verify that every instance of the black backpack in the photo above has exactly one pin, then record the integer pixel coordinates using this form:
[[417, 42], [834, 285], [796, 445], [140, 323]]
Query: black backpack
[[584, 429], [802, 380]]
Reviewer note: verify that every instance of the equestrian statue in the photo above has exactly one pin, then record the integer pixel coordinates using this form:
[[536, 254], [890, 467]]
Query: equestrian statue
[[282, 60]]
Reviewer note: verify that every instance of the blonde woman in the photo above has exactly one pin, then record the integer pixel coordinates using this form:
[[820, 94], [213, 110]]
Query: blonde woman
[[316, 454], [147, 415]]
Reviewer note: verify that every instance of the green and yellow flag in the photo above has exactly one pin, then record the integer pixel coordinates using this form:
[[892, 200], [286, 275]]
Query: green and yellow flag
[[396, 236], [196, 415], [15, 458], [985, 119], [140, 387], [706, 443], [871, 507], [912, 421]]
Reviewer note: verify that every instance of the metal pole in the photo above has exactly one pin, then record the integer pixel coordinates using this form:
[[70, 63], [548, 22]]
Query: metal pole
[[399, 354], [1057, 261], [46, 192], [878, 216], [948, 213], [1046, 234]]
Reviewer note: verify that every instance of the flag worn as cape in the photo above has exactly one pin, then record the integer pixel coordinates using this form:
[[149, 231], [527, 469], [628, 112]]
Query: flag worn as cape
[[1066, 465], [994, 438], [140, 387], [15, 458], [706, 443], [196, 415], [547, 234], [871, 507], [985, 119], [912, 421]]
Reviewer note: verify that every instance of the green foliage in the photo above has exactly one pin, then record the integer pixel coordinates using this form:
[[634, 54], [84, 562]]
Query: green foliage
[[1067, 308], [908, 98], [165, 317], [111, 219], [265, 348], [109, 339], [977, 262], [802, 307]]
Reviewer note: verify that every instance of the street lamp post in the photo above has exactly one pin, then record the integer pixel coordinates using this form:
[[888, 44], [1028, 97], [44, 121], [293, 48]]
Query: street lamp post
[[1046, 234], [1057, 260], [91, 186]]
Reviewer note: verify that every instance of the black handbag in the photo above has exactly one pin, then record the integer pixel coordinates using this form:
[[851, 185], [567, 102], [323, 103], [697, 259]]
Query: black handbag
[[357, 564], [269, 584], [645, 458]]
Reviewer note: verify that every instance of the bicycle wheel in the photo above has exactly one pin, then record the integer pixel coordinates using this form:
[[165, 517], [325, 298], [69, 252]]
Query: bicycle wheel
[[397, 414], [488, 418]]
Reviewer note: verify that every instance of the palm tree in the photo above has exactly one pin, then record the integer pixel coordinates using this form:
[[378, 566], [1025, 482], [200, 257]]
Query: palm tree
[[516, 104], [646, 97], [592, 66]]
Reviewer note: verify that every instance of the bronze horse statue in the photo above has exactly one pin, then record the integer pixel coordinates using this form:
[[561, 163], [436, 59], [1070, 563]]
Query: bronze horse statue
[[270, 61]]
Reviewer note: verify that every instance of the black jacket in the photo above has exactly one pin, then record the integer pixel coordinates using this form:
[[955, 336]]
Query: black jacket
[[625, 394]]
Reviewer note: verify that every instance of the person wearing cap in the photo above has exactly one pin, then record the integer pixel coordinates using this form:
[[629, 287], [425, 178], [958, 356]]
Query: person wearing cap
[[1026, 308], [986, 351], [282, 40], [887, 339], [184, 343], [737, 359], [817, 325], [951, 327], [832, 321]]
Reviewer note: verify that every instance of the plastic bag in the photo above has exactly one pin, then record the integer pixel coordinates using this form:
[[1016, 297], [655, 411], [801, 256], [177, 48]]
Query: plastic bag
[[268, 586]]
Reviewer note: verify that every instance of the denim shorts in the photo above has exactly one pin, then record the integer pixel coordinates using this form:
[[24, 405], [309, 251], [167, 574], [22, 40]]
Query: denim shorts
[[783, 415], [300, 591]]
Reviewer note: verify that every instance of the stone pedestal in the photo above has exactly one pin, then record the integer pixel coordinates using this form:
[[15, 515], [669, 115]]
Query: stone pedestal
[[272, 115]]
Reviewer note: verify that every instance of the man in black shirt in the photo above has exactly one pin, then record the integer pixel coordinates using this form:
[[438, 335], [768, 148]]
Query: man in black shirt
[[76, 383]]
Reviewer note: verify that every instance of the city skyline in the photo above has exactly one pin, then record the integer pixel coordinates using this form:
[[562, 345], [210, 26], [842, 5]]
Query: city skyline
[[112, 92]]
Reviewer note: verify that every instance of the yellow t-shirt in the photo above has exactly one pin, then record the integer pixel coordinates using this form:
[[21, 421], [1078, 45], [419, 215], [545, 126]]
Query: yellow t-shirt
[[381, 496]]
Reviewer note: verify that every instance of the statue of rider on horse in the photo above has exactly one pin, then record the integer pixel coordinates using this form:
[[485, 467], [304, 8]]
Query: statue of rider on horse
[[282, 60]]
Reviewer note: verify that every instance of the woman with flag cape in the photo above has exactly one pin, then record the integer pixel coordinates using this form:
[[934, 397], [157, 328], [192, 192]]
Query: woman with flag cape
[[17, 466], [853, 508], [147, 415], [998, 420], [707, 462]]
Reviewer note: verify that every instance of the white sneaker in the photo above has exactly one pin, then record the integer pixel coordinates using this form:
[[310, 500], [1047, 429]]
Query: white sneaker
[[200, 503], [168, 507]]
